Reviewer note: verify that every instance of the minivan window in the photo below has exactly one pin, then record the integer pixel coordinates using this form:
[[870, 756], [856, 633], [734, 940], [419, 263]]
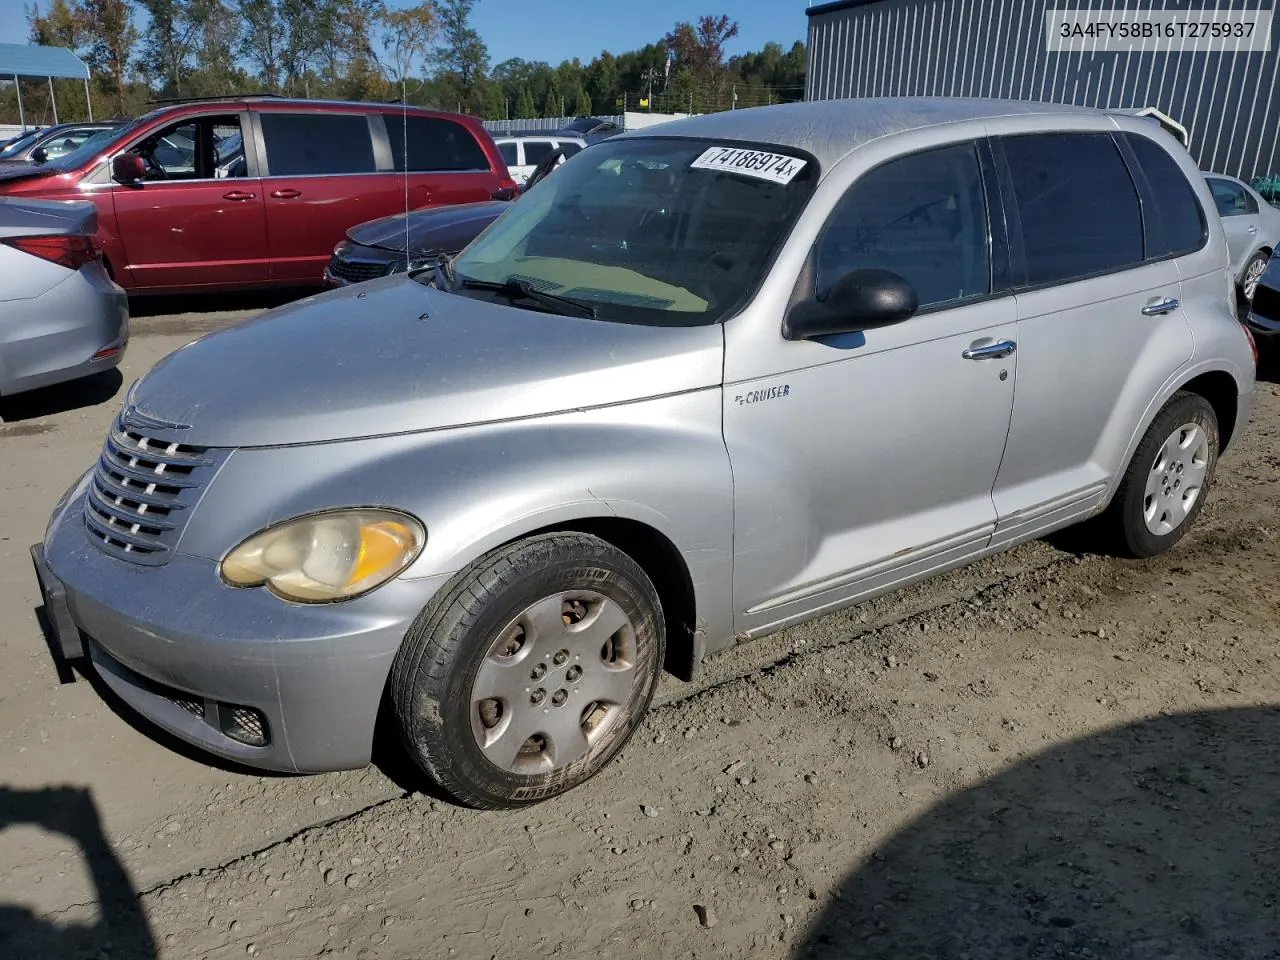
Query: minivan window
[[433, 144], [1178, 225], [317, 144], [1078, 206], [642, 232], [922, 216], [195, 149]]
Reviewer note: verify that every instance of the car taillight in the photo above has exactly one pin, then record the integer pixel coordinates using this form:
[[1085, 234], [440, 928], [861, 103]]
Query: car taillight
[[1253, 345], [72, 252]]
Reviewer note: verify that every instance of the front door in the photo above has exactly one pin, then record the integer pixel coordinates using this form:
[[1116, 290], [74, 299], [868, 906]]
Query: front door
[[864, 460], [1100, 327], [199, 218]]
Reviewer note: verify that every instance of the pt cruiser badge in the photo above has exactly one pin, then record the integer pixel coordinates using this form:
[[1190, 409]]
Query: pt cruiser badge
[[757, 396]]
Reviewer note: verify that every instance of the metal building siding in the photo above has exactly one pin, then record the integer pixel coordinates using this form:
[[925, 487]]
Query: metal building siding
[[962, 48]]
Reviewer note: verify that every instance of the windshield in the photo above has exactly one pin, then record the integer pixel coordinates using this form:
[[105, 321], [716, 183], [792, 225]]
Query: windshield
[[15, 148], [653, 230], [95, 145]]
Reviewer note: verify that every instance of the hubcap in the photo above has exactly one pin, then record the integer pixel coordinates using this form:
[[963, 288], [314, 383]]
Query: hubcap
[[1251, 278], [1176, 479], [556, 678]]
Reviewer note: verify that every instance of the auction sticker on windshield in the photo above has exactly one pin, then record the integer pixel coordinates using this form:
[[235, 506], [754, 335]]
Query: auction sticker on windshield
[[776, 167]]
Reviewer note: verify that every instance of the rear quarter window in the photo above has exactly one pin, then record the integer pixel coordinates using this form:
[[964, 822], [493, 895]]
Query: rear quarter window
[[1078, 206], [1177, 225], [310, 144], [432, 144]]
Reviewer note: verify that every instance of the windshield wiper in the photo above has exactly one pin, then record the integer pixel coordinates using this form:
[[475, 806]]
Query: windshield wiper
[[516, 289]]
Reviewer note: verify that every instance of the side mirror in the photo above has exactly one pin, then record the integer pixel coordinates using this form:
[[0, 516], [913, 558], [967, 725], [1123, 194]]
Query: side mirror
[[40, 155], [860, 300], [129, 169]]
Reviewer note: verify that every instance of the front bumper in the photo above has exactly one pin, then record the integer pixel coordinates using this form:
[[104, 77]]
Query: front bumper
[[196, 657]]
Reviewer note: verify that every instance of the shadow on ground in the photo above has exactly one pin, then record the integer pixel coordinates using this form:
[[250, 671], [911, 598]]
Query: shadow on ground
[[1155, 840], [121, 932], [168, 305], [61, 398]]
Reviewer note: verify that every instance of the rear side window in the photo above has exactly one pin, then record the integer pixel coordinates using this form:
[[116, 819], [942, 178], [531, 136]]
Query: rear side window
[[1232, 199], [535, 151], [311, 144], [509, 153], [1078, 206], [570, 148], [1177, 225], [433, 144], [922, 216]]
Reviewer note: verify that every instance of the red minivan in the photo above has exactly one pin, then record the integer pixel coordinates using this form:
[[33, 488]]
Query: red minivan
[[255, 191]]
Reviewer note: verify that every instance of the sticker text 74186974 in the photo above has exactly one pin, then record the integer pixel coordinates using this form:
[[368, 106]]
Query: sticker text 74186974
[[760, 164]]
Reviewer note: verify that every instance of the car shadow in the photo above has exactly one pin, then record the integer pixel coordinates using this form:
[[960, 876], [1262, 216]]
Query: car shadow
[[62, 397], [121, 932], [1158, 839], [168, 305]]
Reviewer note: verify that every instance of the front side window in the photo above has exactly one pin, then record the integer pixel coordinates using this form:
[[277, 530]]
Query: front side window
[[647, 230], [65, 143], [921, 216], [189, 149], [317, 144], [1079, 208], [1232, 200], [432, 144], [535, 151]]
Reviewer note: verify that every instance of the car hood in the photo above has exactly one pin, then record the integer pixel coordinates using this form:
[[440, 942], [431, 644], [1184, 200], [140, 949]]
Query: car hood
[[435, 228], [19, 169], [394, 356]]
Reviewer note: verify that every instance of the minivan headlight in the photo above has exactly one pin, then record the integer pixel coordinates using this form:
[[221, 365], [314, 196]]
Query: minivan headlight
[[325, 557]]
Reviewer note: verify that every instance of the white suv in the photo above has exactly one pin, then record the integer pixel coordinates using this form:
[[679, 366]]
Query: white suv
[[522, 154]]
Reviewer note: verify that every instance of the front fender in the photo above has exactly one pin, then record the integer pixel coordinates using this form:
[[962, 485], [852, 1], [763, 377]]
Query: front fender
[[658, 462]]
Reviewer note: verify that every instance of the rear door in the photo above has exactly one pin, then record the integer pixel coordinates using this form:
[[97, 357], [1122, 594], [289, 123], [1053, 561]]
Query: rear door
[[443, 162], [198, 219], [322, 176]]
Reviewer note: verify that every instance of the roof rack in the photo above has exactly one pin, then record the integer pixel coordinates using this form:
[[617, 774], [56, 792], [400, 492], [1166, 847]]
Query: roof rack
[[227, 97]]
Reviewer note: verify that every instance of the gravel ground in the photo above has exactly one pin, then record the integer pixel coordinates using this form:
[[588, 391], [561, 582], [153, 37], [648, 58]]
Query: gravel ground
[[1049, 754]]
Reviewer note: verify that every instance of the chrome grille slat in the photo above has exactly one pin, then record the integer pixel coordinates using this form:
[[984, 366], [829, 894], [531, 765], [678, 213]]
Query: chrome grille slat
[[142, 491]]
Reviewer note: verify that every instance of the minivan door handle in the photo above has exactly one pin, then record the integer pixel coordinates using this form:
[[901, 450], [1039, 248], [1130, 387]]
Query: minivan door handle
[[286, 194], [1167, 305], [238, 195], [979, 350]]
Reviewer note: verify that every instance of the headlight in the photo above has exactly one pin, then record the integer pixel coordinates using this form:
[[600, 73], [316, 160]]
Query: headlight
[[326, 556]]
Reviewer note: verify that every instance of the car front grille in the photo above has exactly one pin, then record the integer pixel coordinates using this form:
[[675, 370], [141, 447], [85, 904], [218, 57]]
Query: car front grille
[[142, 491], [357, 271]]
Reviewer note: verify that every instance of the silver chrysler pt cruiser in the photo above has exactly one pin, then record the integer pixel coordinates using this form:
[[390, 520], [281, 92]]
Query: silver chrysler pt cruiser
[[712, 379]]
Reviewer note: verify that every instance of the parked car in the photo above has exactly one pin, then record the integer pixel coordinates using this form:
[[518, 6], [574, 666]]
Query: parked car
[[1263, 319], [254, 192], [61, 317], [523, 153], [694, 388], [590, 129], [1252, 226], [420, 238], [52, 142]]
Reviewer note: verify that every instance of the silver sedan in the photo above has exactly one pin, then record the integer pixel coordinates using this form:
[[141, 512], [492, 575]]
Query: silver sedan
[[62, 317], [1252, 227]]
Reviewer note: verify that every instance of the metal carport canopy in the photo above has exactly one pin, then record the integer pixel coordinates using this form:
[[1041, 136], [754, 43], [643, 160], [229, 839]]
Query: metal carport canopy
[[32, 60]]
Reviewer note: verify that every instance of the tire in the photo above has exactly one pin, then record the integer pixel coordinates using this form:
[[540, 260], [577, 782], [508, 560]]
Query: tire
[[497, 628], [1251, 274], [1142, 521]]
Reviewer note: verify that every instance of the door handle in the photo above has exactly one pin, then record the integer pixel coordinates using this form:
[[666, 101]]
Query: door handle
[[1253, 229], [287, 194], [989, 351], [238, 195], [1167, 305]]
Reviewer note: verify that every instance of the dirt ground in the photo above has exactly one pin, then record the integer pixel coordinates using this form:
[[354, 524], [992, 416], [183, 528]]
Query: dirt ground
[[1049, 754]]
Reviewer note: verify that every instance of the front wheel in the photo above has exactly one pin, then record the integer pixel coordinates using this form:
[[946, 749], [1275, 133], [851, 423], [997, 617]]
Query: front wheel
[[531, 672], [1253, 271], [1165, 485]]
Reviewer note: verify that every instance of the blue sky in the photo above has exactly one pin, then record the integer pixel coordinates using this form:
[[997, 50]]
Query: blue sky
[[577, 28]]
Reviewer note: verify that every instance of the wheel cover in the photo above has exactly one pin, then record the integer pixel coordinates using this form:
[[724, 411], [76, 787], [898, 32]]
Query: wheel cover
[[553, 682], [1253, 273], [1176, 479]]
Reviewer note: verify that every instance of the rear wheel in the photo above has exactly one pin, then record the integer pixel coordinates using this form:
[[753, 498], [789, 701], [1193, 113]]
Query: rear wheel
[[1253, 271], [531, 671], [1164, 488]]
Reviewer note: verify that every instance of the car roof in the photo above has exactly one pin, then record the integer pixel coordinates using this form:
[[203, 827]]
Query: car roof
[[264, 102], [831, 129]]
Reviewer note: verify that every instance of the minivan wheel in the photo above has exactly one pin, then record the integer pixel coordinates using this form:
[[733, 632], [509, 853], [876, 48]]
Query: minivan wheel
[[1253, 271], [1164, 488], [530, 671]]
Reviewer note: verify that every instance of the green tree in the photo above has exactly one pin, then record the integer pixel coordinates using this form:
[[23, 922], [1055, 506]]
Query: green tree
[[111, 36], [553, 100], [582, 104], [525, 110], [462, 53]]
